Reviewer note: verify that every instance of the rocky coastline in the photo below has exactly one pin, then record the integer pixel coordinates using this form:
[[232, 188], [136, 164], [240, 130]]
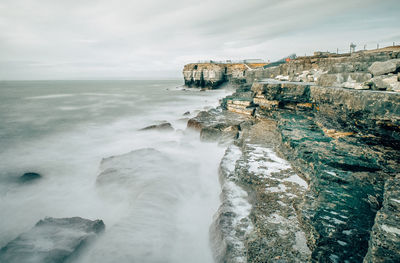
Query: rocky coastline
[[312, 165]]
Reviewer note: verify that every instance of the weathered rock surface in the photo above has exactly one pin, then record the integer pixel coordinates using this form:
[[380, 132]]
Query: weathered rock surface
[[344, 142], [346, 183], [257, 221], [346, 80], [212, 75], [204, 75], [218, 125], [344, 70], [367, 112], [385, 67], [384, 245], [339, 130], [51, 240]]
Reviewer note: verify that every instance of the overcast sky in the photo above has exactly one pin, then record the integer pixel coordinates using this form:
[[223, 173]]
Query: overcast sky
[[132, 39]]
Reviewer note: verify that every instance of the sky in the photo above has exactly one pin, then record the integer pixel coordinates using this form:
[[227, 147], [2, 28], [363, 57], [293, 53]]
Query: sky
[[154, 39]]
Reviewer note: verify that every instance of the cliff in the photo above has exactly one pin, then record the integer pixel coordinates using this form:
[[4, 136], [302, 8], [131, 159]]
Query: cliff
[[212, 75], [341, 70], [317, 158]]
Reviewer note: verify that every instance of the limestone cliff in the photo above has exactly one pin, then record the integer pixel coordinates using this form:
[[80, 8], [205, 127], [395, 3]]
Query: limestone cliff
[[354, 71], [317, 156], [212, 75]]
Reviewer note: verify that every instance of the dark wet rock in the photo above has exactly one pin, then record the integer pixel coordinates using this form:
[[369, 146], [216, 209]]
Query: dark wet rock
[[29, 177], [384, 245], [186, 113], [52, 240], [346, 186], [164, 126]]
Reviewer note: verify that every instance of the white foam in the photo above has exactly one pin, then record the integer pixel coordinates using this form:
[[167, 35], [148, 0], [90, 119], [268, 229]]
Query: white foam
[[297, 180], [391, 229], [265, 161], [301, 243], [395, 200], [236, 201], [51, 96]]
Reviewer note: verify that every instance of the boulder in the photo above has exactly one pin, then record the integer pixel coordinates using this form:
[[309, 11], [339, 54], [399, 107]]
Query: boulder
[[381, 68], [163, 126], [51, 240]]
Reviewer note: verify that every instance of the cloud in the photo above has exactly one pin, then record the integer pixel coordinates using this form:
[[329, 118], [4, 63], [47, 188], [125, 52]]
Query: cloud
[[132, 39]]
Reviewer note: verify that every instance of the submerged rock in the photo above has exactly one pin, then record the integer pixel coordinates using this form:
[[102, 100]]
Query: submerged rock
[[164, 126], [51, 240], [30, 176], [217, 125]]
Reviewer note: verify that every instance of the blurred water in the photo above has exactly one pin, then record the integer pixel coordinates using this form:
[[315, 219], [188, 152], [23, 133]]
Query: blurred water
[[63, 129]]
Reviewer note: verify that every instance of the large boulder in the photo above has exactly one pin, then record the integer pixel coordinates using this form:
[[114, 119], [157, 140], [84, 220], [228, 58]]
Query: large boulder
[[381, 68], [51, 240]]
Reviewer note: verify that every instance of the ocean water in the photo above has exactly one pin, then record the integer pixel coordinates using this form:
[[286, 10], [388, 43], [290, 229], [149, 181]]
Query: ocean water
[[64, 129]]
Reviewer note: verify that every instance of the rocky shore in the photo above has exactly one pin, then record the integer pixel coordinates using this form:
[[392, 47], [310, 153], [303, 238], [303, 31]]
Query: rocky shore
[[312, 166]]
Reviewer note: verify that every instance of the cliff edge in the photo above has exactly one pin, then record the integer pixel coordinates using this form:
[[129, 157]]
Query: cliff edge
[[312, 164]]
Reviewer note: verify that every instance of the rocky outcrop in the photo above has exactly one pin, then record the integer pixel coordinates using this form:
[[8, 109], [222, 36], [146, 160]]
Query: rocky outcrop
[[366, 112], [204, 75], [343, 142], [218, 125], [384, 244], [344, 70], [52, 240], [212, 75], [314, 167]]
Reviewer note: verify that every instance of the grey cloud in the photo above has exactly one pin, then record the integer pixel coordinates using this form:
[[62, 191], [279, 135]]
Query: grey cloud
[[130, 39]]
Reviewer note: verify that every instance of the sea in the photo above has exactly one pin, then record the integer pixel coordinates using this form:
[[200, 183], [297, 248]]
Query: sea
[[63, 130]]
